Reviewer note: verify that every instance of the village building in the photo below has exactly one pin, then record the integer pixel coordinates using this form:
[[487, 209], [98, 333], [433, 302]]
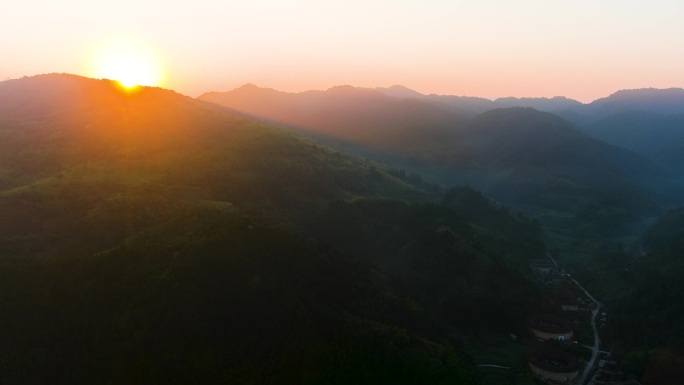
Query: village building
[[567, 302], [554, 365], [550, 327], [542, 266]]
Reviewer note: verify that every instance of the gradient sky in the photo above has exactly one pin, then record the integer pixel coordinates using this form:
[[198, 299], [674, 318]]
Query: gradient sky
[[577, 48]]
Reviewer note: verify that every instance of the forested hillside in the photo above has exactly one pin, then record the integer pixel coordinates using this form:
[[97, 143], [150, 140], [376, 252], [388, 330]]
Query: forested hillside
[[147, 237], [650, 316], [658, 137]]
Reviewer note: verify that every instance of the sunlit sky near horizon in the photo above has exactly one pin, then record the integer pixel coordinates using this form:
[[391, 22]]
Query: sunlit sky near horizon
[[580, 49]]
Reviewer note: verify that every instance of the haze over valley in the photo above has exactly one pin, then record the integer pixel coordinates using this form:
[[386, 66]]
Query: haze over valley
[[333, 193]]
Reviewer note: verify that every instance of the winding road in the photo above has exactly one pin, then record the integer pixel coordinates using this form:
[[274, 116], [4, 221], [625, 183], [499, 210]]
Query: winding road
[[595, 349], [597, 341]]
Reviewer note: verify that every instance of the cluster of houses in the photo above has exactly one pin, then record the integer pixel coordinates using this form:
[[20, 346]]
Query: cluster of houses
[[549, 363], [568, 308], [609, 373], [554, 365]]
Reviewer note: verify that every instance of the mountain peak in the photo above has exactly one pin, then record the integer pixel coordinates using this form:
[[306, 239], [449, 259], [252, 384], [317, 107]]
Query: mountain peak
[[346, 88], [354, 92], [647, 92], [399, 91], [252, 88], [51, 95], [658, 100], [248, 86]]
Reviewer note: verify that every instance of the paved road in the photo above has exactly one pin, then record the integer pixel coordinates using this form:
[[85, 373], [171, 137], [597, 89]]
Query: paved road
[[597, 342], [554, 262], [595, 349]]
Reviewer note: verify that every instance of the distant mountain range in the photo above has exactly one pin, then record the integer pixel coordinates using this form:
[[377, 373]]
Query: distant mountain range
[[662, 101], [647, 121], [345, 112], [595, 116], [522, 156]]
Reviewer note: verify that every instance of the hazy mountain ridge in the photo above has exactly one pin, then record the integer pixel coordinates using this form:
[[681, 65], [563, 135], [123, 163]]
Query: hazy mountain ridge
[[647, 121], [532, 158], [656, 136], [346, 113], [663, 101], [519, 156], [600, 119], [475, 105]]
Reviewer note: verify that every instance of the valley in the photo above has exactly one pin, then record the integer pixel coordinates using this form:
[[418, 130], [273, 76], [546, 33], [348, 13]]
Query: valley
[[593, 200], [329, 237]]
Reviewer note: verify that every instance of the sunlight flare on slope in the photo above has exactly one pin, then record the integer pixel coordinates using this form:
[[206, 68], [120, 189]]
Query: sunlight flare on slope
[[127, 61]]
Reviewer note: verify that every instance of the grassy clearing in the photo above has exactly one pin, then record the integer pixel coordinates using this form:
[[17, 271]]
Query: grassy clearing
[[493, 376], [498, 350]]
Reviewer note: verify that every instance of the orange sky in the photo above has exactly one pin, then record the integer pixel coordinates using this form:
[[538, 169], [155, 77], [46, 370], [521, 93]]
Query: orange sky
[[580, 49]]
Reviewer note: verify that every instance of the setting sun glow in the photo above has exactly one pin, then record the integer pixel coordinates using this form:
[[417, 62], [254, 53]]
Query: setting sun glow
[[128, 62]]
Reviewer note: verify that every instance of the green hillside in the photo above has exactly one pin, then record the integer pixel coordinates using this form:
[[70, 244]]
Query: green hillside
[[649, 318], [147, 237], [536, 159]]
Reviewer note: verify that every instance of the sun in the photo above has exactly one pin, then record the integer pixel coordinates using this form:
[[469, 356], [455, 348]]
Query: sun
[[127, 61]]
